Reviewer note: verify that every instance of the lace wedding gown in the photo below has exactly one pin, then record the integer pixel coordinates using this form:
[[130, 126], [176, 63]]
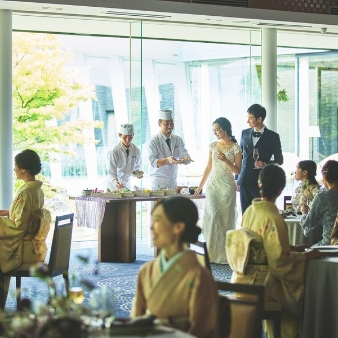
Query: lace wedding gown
[[220, 204]]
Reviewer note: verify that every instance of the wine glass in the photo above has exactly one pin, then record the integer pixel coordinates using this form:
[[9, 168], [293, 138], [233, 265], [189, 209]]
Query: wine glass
[[102, 305], [255, 155]]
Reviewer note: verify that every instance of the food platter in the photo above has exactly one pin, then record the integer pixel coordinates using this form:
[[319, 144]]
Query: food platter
[[168, 192], [157, 192], [140, 193], [128, 194]]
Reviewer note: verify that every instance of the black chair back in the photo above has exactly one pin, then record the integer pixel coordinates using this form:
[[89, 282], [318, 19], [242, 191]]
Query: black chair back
[[246, 309], [60, 250], [201, 250]]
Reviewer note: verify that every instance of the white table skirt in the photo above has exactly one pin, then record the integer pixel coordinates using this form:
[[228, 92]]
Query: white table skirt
[[320, 310], [296, 234]]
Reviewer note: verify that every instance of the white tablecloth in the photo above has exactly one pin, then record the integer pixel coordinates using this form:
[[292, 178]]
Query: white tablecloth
[[296, 234]]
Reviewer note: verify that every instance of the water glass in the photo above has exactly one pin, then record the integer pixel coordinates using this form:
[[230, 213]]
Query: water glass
[[102, 305]]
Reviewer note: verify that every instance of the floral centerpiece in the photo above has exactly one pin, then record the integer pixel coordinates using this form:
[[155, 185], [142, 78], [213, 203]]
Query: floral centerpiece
[[60, 317]]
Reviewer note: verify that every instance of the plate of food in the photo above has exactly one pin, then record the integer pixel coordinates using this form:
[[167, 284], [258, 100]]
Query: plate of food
[[157, 192], [138, 173], [128, 194], [185, 160], [142, 193], [168, 192]]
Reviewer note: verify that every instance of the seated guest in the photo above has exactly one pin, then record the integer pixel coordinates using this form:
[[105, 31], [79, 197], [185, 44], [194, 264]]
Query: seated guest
[[24, 227], [308, 187], [270, 259], [324, 207], [175, 286]]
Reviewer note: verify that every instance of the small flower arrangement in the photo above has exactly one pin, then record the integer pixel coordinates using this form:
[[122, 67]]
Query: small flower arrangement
[[59, 317]]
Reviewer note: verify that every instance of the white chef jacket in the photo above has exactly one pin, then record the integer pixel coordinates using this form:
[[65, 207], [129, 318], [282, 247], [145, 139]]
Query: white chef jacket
[[120, 167], [166, 176]]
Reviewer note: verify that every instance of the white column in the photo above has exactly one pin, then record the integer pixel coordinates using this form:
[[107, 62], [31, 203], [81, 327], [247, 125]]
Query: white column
[[86, 112], [304, 109], [6, 114], [205, 102], [118, 88], [269, 76], [152, 94], [181, 84]]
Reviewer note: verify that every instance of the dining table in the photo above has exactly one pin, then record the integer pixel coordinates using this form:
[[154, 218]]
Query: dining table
[[296, 233], [115, 220], [320, 308]]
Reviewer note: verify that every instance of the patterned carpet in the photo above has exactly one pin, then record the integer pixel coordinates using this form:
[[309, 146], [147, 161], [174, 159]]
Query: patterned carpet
[[121, 277]]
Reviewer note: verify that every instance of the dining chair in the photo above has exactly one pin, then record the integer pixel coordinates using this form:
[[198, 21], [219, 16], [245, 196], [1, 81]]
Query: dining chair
[[287, 202], [201, 251], [246, 310], [58, 263]]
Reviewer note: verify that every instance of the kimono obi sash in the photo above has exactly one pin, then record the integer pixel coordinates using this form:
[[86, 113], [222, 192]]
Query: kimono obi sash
[[37, 230], [244, 247]]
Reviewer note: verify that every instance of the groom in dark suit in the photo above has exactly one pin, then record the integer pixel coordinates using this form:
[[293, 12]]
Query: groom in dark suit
[[269, 149]]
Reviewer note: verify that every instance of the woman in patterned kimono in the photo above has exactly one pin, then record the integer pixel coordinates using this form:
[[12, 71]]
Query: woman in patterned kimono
[[24, 227], [225, 160], [308, 187], [175, 287], [275, 263]]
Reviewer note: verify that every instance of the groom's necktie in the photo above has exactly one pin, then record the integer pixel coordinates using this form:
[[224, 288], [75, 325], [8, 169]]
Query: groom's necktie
[[168, 143], [127, 152]]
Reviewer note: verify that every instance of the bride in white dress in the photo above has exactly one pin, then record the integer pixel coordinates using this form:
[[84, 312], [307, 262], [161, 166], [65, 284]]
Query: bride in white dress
[[225, 159]]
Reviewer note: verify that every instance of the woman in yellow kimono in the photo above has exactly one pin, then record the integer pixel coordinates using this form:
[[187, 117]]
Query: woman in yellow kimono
[[271, 260], [175, 287], [24, 227]]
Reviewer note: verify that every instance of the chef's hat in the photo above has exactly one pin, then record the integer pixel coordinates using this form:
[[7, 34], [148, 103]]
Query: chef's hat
[[127, 129], [165, 114]]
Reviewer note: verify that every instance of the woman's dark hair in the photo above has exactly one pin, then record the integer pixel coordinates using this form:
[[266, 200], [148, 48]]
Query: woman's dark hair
[[330, 170], [226, 126], [311, 168], [28, 159], [272, 180], [182, 209]]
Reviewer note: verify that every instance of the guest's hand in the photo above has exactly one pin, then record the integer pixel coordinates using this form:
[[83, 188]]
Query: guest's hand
[[4, 213], [260, 164], [221, 156], [313, 254], [299, 248]]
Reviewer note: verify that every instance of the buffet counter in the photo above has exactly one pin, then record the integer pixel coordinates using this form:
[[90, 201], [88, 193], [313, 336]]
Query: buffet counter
[[115, 219]]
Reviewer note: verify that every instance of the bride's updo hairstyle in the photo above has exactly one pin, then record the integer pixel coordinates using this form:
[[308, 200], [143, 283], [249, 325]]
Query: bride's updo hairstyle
[[28, 159], [226, 126], [181, 209], [271, 181]]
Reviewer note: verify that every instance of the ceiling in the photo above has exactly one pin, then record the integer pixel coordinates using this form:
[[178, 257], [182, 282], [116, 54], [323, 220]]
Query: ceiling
[[174, 21]]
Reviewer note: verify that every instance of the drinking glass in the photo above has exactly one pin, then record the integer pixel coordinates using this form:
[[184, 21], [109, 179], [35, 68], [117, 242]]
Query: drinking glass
[[102, 305], [75, 291], [255, 155]]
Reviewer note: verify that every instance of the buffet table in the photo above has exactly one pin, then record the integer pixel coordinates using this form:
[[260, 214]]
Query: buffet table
[[115, 219], [296, 234], [320, 311]]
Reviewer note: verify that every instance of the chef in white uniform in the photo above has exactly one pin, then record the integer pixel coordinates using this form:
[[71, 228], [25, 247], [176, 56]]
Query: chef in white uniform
[[165, 152], [123, 160]]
